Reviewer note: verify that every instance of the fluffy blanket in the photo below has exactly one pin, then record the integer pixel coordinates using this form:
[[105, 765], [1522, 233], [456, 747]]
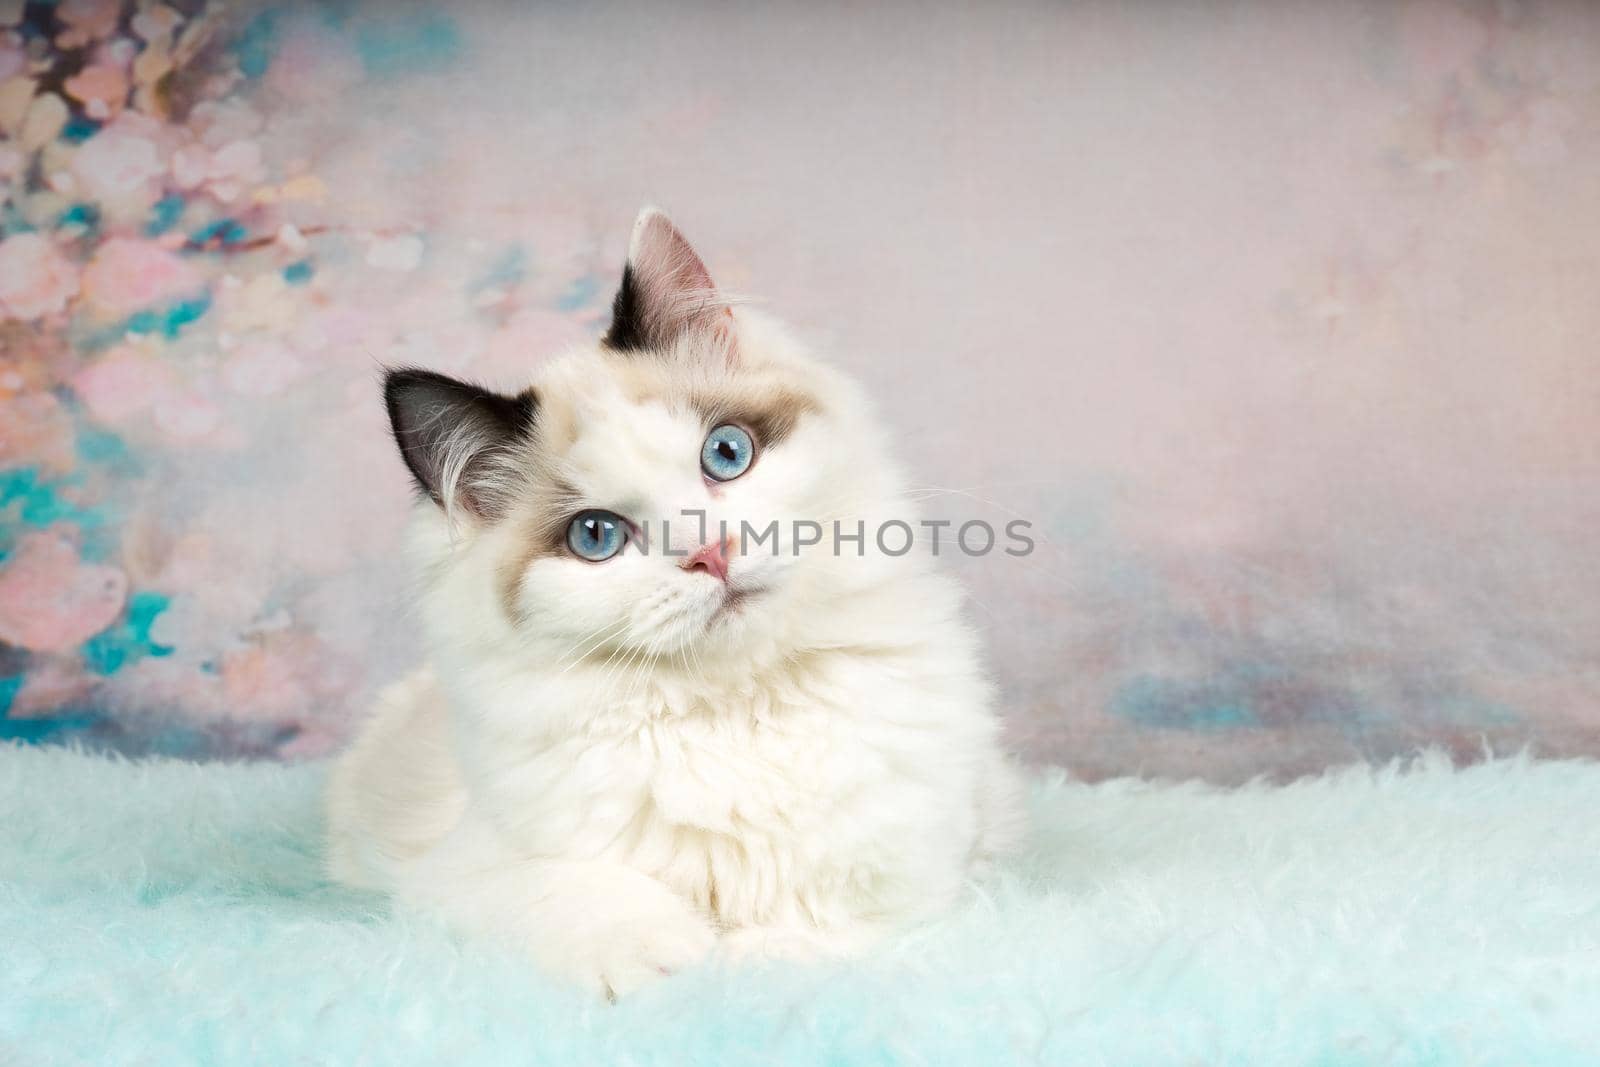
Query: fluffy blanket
[[166, 912]]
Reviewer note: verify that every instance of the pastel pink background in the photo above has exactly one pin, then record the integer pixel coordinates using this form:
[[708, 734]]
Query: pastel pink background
[[1281, 322]]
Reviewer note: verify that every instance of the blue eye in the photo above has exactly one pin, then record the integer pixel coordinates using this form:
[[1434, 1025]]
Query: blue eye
[[596, 535], [727, 453]]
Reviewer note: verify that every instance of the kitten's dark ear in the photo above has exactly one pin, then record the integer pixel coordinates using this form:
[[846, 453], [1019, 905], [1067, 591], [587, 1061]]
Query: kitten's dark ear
[[451, 434], [666, 291]]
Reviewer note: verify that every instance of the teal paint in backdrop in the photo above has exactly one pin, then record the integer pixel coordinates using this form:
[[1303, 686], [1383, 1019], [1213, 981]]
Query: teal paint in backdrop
[[258, 43], [226, 232], [170, 320], [409, 45], [129, 640], [1207, 704], [86, 216], [40, 503], [165, 215], [9, 688]]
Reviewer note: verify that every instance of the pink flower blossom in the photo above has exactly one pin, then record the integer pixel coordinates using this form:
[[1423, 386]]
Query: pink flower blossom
[[156, 23], [267, 681], [86, 21], [118, 52], [13, 60], [129, 385], [123, 383], [121, 164], [225, 173], [35, 278], [35, 430], [12, 161], [49, 685], [50, 599], [102, 89], [128, 275], [220, 122]]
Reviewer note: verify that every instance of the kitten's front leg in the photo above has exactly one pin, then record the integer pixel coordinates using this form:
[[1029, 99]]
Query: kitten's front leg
[[606, 926]]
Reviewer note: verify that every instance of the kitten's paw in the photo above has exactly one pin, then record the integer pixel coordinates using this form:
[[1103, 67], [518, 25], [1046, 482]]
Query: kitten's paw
[[611, 928], [641, 949]]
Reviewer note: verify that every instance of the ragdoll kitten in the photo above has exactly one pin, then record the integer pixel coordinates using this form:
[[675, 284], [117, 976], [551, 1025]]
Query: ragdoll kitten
[[641, 737]]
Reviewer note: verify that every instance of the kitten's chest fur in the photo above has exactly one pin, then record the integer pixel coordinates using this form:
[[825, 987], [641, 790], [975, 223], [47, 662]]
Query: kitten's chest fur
[[824, 789]]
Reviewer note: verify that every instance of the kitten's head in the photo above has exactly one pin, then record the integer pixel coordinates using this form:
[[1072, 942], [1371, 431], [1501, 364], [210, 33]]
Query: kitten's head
[[566, 518]]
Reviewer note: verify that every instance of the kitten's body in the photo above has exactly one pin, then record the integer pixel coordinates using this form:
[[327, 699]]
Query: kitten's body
[[616, 765]]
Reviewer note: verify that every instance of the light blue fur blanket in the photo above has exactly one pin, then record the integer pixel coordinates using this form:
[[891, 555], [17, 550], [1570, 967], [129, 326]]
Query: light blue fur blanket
[[171, 913]]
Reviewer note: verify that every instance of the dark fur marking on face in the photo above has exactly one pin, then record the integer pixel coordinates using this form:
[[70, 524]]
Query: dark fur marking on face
[[627, 330], [770, 413]]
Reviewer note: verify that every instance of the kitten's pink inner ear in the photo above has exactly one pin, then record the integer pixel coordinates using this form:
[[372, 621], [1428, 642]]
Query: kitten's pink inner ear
[[677, 291], [664, 256]]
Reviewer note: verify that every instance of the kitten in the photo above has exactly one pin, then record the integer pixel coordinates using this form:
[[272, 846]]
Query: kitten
[[634, 742]]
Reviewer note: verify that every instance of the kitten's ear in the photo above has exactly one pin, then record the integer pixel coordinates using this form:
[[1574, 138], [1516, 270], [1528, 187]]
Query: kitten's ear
[[453, 436], [666, 291]]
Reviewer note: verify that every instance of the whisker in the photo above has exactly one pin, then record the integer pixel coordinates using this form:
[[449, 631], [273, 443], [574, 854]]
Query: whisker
[[645, 664], [606, 633], [585, 639], [618, 668]]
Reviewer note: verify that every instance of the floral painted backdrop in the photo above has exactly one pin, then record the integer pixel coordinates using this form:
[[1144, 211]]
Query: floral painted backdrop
[[1279, 321]]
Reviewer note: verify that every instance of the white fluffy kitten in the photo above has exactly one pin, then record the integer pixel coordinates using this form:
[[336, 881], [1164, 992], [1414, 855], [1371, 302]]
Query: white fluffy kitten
[[620, 764]]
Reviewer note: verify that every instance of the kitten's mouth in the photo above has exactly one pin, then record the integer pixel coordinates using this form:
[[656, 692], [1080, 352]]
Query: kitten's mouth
[[733, 602]]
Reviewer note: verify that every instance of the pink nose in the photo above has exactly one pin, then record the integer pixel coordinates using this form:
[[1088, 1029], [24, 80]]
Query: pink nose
[[712, 558]]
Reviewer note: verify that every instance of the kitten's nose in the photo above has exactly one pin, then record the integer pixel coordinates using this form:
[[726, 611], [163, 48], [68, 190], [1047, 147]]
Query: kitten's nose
[[712, 558]]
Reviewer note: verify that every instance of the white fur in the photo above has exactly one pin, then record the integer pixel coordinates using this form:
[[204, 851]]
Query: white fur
[[618, 776]]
